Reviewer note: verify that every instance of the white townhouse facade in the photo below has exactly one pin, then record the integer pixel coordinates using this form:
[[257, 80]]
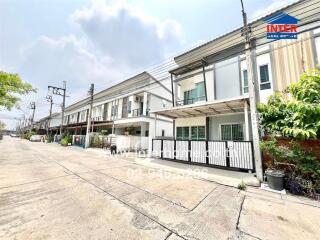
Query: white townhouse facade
[[124, 110], [210, 112], [52, 124]]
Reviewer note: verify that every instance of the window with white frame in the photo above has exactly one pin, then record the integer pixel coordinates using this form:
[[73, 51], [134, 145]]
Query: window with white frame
[[245, 86], [232, 132], [264, 77], [114, 110], [317, 43], [129, 106], [82, 117]]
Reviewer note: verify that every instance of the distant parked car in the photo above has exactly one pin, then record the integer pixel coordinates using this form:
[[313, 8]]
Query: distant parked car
[[36, 138], [1, 136], [14, 135]]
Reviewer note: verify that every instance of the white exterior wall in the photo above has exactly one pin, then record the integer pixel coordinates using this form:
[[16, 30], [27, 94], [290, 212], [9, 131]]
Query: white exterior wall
[[196, 121], [317, 44], [55, 121], [210, 83], [119, 102], [157, 89], [215, 123], [166, 126], [261, 60]]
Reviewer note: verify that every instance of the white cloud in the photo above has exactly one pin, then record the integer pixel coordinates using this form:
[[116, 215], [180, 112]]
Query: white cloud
[[114, 41], [276, 4], [49, 60], [127, 34]]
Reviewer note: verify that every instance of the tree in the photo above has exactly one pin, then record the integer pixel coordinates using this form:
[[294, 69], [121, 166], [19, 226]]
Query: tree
[[295, 112], [11, 86]]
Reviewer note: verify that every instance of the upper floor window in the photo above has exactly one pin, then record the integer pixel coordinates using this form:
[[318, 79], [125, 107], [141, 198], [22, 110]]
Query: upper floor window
[[114, 110], [264, 77], [194, 95], [245, 81], [129, 107]]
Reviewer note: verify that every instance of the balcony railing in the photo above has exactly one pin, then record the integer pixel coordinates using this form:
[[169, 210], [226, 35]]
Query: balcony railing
[[139, 112], [190, 101]]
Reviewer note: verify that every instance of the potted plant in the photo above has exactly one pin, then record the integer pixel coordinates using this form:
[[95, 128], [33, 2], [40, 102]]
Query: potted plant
[[275, 179], [275, 175], [300, 169]]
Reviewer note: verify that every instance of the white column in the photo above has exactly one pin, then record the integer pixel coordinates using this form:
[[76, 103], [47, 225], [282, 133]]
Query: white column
[[145, 102], [246, 120], [152, 133]]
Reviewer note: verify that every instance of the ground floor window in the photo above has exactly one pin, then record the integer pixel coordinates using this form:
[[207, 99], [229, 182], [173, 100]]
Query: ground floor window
[[232, 132], [198, 133], [182, 133], [193, 133]]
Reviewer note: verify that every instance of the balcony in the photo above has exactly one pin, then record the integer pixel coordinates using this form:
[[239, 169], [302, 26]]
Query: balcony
[[190, 101], [139, 112]]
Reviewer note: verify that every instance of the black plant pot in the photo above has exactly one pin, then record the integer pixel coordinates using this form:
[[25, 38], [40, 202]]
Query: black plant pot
[[275, 179]]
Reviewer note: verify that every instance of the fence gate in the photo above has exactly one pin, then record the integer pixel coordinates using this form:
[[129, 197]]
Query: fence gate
[[235, 155], [79, 140]]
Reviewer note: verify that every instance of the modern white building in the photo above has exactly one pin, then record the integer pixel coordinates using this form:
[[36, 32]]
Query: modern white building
[[212, 122], [124, 110]]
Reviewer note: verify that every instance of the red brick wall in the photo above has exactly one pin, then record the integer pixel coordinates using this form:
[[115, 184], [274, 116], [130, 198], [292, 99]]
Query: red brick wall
[[312, 146]]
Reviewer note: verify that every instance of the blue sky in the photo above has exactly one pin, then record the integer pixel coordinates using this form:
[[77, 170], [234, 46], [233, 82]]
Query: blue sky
[[103, 42]]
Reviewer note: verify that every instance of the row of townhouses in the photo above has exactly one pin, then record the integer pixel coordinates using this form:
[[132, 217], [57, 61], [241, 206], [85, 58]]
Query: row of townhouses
[[200, 104]]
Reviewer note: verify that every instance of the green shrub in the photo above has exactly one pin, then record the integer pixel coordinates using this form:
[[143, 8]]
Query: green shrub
[[104, 132], [28, 135], [302, 169], [242, 186], [295, 112], [66, 140], [95, 142]]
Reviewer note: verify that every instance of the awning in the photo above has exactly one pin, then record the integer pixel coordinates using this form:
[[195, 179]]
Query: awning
[[189, 67], [216, 107], [84, 124]]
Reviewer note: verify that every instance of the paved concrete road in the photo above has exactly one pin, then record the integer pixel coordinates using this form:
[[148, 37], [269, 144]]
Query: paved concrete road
[[51, 192]]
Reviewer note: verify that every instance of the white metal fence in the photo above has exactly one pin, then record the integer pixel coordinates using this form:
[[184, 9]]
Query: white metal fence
[[229, 154]]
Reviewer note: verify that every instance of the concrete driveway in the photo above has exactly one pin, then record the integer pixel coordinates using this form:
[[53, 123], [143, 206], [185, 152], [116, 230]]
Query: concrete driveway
[[51, 192]]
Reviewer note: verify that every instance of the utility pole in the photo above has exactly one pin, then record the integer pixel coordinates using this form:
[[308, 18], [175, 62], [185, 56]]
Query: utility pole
[[49, 99], [33, 107], [60, 92], [253, 92], [91, 92]]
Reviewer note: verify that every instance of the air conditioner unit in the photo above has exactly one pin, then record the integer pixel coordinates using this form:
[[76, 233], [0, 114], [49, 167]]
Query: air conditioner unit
[[137, 98]]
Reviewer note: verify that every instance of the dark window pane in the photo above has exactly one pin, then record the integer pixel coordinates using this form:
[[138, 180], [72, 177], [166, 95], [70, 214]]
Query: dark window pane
[[226, 132], [179, 132], [201, 133], [200, 90], [265, 86], [185, 133], [264, 74], [245, 81], [237, 132], [129, 107], [194, 133]]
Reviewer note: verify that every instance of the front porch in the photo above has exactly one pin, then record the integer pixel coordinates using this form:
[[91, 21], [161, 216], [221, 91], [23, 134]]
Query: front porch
[[215, 133]]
